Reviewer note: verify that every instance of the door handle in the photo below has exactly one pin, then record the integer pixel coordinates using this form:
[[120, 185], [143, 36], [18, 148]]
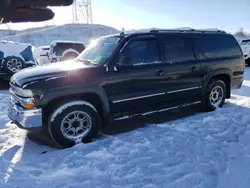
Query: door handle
[[159, 72], [194, 69]]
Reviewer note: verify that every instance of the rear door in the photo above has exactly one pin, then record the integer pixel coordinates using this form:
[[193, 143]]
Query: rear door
[[182, 70]]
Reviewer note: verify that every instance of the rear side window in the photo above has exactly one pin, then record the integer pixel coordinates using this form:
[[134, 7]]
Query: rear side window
[[217, 46], [177, 49]]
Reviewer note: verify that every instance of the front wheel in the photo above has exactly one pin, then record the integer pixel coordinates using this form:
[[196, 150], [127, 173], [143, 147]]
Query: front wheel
[[74, 122], [215, 95]]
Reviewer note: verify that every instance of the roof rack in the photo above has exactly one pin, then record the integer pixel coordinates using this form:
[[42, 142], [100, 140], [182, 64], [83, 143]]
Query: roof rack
[[181, 30]]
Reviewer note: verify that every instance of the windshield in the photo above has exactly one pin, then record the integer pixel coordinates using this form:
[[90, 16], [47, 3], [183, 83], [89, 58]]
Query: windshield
[[99, 51]]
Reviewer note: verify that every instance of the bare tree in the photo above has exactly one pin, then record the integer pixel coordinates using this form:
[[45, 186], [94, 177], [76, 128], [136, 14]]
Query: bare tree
[[241, 32]]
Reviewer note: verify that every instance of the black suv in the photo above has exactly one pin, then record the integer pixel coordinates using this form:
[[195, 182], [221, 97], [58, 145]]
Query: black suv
[[123, 75]]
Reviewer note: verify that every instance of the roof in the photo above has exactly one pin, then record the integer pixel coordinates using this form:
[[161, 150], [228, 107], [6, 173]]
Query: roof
[[175, 30]]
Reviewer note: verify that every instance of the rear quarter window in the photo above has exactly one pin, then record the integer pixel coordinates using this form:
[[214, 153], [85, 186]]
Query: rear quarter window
[[217, 46]]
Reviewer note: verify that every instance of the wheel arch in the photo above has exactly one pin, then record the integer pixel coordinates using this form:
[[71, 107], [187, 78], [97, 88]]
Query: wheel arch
[[14, 56], [95, 97], [222, 74]]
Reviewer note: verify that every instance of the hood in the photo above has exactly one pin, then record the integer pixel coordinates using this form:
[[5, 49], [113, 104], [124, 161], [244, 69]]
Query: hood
[[45, 72]]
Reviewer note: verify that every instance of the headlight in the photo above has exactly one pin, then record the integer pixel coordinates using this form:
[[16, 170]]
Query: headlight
[[23, 96], [26, 93], [21, 92]]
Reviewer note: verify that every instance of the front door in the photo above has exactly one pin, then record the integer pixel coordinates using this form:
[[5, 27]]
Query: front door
[[139, 84]]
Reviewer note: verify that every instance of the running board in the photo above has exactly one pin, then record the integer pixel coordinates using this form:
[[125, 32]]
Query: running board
[[157, 111]]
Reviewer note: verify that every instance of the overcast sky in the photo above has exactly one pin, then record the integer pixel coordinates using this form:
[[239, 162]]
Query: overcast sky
[[228, 15]]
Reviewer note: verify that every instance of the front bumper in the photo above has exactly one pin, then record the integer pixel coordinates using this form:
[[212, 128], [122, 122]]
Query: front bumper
[[25, 119]]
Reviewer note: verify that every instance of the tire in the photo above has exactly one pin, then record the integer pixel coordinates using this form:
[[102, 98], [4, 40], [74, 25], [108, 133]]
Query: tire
[[13, 64], [67, 117], [69, 56], [218, 88]]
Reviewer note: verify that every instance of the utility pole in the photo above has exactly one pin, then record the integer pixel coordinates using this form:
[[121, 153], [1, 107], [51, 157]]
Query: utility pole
[[82, 12]]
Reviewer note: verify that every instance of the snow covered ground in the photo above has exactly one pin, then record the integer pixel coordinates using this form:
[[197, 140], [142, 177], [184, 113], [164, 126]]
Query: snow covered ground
[[205, 150]]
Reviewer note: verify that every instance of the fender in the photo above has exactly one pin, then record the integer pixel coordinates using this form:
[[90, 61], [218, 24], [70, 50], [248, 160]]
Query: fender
[[51, 95], [211, 74]]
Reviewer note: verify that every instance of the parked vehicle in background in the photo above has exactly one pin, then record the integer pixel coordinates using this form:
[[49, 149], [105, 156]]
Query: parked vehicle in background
[[65, 50], [125, 75], [245, 46], [41, 55], [15, 57]]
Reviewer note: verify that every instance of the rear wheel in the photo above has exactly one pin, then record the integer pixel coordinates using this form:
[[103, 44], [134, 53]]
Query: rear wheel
[[74, 122], [215, 95]]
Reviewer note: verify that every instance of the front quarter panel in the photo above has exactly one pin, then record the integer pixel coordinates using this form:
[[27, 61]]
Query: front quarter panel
[[74, 83]]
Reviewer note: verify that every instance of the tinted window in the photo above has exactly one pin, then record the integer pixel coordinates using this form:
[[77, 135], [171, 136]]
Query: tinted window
[[177, 49], [217, 46], [142, 51]]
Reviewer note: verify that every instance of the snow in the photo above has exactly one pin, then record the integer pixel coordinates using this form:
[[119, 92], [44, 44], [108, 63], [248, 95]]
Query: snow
[[67, 105], [205, 150], [13, 49]]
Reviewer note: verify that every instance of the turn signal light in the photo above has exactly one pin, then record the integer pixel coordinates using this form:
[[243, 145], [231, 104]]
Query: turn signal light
[[29, 106]]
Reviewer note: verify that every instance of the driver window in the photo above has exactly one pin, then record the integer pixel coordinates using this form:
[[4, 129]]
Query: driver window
[[142, 51]]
